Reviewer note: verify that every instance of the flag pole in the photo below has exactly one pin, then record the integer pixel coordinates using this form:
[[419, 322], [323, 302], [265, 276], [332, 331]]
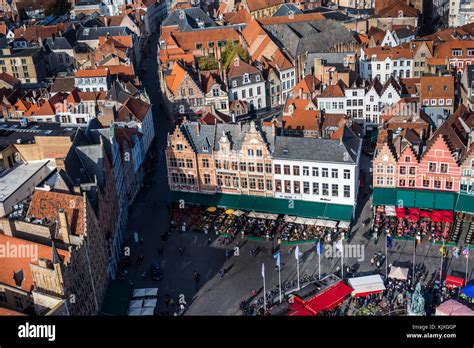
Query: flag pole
[[342, 255], [441, 268], [467, 266], [279, 279], [264, 289], [386, 256], [414, 255], [319, 263], [298, 268]]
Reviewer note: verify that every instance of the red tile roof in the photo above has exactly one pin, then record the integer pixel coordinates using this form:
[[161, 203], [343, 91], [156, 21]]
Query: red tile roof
[[10, 265], [46, 204], [99, 72]]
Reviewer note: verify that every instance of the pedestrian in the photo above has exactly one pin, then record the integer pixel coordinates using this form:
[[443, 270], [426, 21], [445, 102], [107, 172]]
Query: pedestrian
[[181, 251], [167, 300], [372, 261], [254, 292], [196, 277], [227, 253], [209, 241]]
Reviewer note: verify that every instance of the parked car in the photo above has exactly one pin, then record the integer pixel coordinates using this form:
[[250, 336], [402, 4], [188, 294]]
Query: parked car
[[156, 272]]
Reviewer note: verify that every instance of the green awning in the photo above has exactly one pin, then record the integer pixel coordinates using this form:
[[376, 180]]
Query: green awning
[[312, 209], [272, 205], [384, 196], [444, 200], [406, 199], [425, 200], [465, 203], [338, 212]]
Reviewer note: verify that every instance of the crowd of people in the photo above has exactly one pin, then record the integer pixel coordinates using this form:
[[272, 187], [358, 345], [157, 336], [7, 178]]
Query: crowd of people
[[232, 224], [410, 226]]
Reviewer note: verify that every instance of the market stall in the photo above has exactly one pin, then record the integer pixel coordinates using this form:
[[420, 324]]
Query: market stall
[[329, 298], [452, 282], [453, 308], [364, 286], [400, 273]]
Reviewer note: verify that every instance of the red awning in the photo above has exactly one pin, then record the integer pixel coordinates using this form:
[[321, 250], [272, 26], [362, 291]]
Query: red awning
[[400, 212], [414, 211], [413, 218], [365, 294], [436, 216], [425, 213], [454, 281], [330, 298]]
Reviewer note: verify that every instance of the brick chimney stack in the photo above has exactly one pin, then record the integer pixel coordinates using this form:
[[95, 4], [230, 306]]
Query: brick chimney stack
[[64, 228]]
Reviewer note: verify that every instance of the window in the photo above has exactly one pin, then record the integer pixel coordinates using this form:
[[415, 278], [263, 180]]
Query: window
[[432, 167], [179, 147], [347, 191], [243, 183], [296, 185], [243, 166], [278, 185], [379, 180], [334, 173], [260, 167], [251, 167], [189, 163], [252, 183], [286, 170], [296, 170], [315, 171], [335, 190], [403, 170], [244, 95], [325, 189], [389, 181], [305, 171], [315, 188], [449, 185], [437, 184], [3, 297], [269, 185], [234, 165], [412, 170], [287, 186], [305, 187], [259, 90], [18, 302], [250, 92], [250, 152], [411, 182], [325, 173], [389, 169], [277, 169], [261, 184], [207, 179], [347, 174], [426, 183], [380, 169], [259, 153], [268, 168], [444, 168], [401, 182]]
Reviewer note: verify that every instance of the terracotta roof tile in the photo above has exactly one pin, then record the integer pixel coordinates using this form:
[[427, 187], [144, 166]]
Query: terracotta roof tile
[[99, 72], [10, 265], [45, 204]]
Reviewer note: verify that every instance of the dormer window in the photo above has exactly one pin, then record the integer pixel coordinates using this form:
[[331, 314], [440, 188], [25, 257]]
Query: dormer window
[[205, 149], [430, 88], [257, 78], [246, 78], [285, 152], [234, 83]]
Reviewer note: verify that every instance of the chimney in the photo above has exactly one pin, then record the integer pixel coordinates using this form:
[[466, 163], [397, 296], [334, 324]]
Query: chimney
[[234, 118], [198, 128], [60, 163], [64, 228]]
